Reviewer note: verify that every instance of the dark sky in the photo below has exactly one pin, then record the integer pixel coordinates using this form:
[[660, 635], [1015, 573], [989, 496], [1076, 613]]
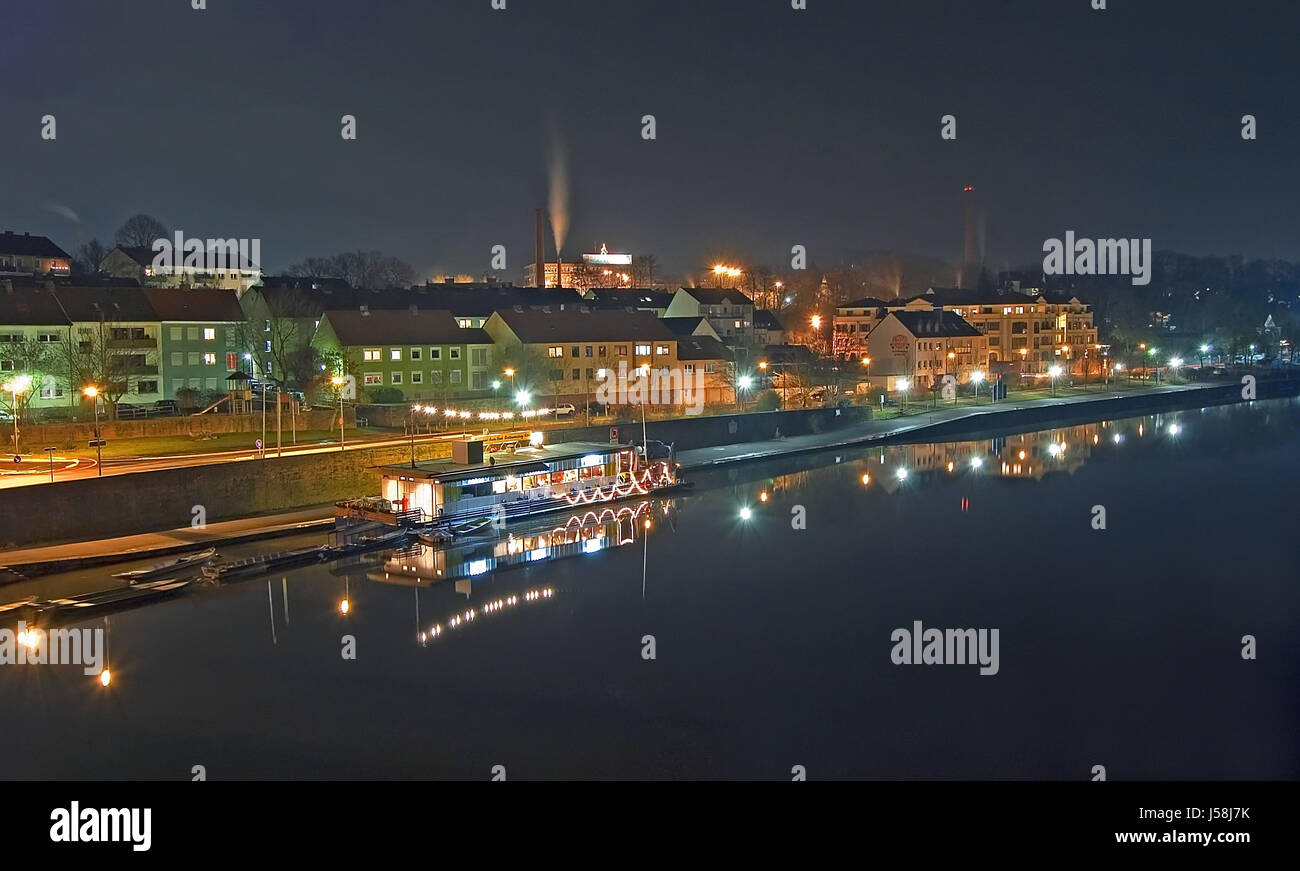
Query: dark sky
[[775, 127]]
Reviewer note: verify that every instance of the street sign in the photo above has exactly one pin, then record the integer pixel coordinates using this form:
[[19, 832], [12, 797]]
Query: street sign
[[97, 443], [258, 444], [17, 459], [613, 435], [50, 450]]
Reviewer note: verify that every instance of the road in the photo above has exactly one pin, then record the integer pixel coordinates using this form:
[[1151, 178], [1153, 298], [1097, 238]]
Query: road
[[36, 469]]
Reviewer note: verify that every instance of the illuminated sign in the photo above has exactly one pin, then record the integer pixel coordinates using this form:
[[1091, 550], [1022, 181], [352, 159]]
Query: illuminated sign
[[606, 259], [899, 342], [592, 460]]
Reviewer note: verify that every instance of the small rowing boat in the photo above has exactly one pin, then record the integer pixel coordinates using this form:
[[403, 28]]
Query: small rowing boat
[[174, 568]]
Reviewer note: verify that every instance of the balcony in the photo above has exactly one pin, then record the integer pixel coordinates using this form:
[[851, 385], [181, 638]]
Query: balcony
[[145, 342]]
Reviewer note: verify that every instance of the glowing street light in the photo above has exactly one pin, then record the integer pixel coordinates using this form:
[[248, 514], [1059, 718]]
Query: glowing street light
[[1054, 372], [91, 392], [338, 381], [522, 397], [17, 387]]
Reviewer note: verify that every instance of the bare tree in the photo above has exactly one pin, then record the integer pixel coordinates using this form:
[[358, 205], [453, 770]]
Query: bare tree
[[109, 356], [140, 231], [89, 254], [368, 269], [38, 361]]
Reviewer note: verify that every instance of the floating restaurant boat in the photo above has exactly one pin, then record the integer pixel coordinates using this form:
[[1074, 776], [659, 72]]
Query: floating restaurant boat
[[466, 493], [174, 568]]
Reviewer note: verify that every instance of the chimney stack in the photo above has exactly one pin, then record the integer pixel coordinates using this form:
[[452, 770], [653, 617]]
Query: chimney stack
[[539, 253], [970, 266]]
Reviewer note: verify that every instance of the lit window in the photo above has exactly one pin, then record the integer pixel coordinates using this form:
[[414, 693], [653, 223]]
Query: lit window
[[661, 349], [395, 354], [643, 350], [209, 359], [209, 334], [370, 355]]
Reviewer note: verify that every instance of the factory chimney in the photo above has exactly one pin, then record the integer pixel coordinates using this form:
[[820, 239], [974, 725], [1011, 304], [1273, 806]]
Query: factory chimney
[[970, 265], [539, 253]]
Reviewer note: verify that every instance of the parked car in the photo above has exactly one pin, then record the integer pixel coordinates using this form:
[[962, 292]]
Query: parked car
[[166, 408], [127, 411], [597, 408], [656, 450], [564, 409]]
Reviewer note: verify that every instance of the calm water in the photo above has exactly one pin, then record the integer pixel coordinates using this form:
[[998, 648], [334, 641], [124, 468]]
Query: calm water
[[1118, 647]]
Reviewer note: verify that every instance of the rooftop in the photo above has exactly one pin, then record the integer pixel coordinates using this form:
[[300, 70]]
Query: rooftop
[[718, 295], [195, 305], [411, 326], [571, 325], [936, 323], [27, 245]]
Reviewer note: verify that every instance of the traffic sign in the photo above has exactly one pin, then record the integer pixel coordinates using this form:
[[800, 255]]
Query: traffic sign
[[98, 443], [17, 459], [258, 444]]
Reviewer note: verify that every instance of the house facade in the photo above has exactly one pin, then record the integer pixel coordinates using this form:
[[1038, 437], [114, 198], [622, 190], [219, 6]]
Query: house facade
[[25, 254], [423, 355]]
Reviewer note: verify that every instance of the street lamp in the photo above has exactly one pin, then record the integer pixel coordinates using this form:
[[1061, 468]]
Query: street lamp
[[92, 392], [977, 377], [903, 385], [744, 382], [338, 381], [1054, 372], [522, 398], [1151, 353], [510, 373], [17, 387]]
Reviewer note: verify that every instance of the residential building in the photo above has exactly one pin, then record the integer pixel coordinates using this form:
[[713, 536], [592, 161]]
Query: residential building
[[729, 311], [632, 299], [113, 341], [33, 337], [422, 354], [564, 354], [1033, 331], [684, 327], [138, 263], [200, 333], [32, 255], [768, 329], [924, 346], [705, 357], [853, 322]]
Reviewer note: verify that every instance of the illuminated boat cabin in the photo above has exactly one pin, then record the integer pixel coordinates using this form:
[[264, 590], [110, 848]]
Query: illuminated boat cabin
[[529, 480]]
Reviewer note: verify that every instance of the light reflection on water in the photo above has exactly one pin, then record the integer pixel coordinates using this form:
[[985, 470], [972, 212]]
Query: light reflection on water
[[1119, 646]]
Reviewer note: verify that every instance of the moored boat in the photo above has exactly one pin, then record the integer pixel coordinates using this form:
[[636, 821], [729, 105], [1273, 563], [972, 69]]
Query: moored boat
[[173, 568], [466, 494]]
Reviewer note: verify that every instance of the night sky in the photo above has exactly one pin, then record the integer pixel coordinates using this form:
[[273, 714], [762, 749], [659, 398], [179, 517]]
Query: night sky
[[775, 127]]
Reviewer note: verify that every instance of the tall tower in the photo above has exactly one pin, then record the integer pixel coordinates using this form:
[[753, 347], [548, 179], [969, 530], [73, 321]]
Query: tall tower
[[970, 262]]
